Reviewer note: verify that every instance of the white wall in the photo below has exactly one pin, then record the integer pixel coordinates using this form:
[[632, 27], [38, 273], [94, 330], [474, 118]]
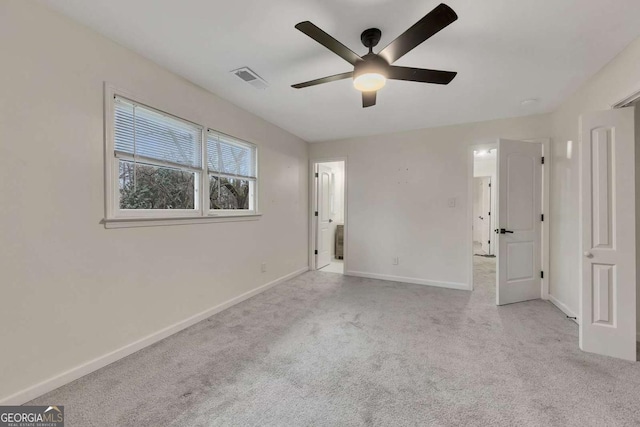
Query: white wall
[[485, 166], [71, 290], [398, 191], [616, 80]]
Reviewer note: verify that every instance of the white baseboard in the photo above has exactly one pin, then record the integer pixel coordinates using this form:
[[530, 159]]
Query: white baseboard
[[73, 374], [563, 307], [412, 280]]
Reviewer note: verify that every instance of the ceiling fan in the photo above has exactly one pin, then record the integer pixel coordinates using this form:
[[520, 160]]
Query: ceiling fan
[[370, 72]]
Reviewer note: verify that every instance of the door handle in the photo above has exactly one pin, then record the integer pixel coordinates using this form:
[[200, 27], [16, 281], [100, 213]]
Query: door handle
[[588, 254], [481, 218], [503, 231], [330, 220]]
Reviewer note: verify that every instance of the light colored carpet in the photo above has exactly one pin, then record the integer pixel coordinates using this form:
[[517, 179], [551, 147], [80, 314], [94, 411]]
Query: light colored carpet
[[335, 266], [331, 350]]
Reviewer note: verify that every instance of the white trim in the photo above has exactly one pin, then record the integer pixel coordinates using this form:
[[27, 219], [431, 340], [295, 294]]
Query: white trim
[[157, 222], [412, 280], [563, 307], [73, 374], [546, 211], [627, 100]]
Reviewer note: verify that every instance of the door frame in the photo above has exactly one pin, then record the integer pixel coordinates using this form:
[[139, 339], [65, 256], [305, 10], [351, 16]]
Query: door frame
[[546, 199], [313, 198]]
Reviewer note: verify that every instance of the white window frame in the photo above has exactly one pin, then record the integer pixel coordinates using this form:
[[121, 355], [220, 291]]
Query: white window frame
[[254, 188], [120, 218]]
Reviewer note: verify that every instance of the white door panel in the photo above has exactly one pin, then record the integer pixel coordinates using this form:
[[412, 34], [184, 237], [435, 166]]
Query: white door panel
[[482, 212], [486, 214], [607, 214], [519, 196]]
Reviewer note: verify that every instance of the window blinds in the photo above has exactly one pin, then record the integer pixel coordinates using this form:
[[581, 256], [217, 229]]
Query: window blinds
[[230, 157], [146, 134]]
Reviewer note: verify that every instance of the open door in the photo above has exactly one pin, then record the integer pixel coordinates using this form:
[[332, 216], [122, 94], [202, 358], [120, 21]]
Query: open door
[[608, 238], [485, 216], [482, 212], [519, 177], [323, 212]]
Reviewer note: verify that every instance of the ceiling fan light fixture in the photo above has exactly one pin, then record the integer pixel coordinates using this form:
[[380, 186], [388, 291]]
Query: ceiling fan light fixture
[[369, 82], [371, 71], [370, 74]]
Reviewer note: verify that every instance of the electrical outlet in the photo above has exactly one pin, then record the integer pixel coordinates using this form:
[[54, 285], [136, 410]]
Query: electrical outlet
[[263, 267], [396, 260]]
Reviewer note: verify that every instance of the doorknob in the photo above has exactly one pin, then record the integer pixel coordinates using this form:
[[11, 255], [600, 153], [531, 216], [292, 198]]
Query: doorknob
[[588, 254], [330, 220], [503, 231]]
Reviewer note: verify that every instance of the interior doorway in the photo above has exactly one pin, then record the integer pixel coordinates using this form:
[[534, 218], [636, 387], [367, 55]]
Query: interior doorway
[[483, 208], [506, 197], [328, 224], [484, 177]]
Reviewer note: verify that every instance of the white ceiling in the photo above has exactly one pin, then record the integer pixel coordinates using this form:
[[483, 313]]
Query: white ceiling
[[504, 51]]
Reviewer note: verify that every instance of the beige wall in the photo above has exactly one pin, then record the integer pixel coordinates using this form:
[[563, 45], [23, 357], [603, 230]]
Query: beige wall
[[71, 290], [398, 189], [616, 80]]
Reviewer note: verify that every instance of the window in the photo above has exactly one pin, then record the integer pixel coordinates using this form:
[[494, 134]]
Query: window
[[156, 169], [232, 172]]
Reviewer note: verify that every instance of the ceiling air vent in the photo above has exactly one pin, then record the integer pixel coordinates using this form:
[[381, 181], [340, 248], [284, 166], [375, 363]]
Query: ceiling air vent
[[249, 76]]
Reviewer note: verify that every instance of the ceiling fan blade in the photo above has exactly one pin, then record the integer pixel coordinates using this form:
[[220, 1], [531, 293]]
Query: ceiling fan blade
[[329, 42], [421, 75], [434, 21], [323, 80], [369, 99]]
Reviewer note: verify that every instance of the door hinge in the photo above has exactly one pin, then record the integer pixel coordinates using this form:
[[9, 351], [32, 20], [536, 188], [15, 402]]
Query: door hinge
[[317, 174], [489, 241], [316, 252], [542, 274], [489, 214], [542, 160], [489, 185], [542, 217], [316, 213]]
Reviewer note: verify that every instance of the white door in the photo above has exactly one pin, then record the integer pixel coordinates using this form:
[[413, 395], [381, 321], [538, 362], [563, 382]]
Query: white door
[[607, 218], [519, 177], [323, 211], [477, 210], [482, 220], [485, 216]]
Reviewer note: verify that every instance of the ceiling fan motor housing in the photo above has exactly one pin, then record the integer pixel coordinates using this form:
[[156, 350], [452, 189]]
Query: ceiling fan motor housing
[[371, 63]]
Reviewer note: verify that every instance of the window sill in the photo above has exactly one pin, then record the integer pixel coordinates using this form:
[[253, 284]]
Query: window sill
[[161, 222]]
